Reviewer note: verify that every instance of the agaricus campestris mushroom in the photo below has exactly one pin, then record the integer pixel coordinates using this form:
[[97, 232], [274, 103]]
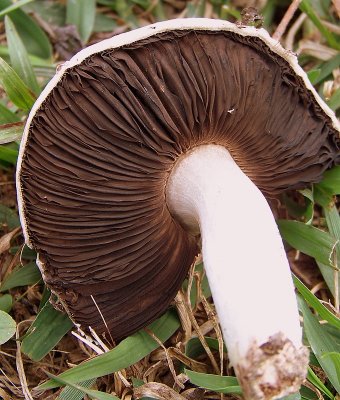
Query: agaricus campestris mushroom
[[143, 141]]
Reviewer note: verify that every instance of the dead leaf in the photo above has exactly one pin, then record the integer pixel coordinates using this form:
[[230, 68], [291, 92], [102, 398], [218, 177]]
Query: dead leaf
[[5, 240], [157, 391]]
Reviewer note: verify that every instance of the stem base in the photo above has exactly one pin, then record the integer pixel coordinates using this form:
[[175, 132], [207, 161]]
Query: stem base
[[280, 369]]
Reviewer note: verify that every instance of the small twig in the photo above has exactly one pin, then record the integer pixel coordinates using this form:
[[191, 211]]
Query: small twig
[[199, 276], [316, 50], [208, 10], [8, 378], [98, 339], [7, 355], [318, 286], [290, 37], [152, 371], [213, 317], [189, 312], [331, 27], [45, 26], [183, 315], [88, 343], [120, 382], [190, 282], [313, 389], [297, 255], [169, 360], [102, 317], [20, 368], [327, 303], [280, 30], [202, 340], [148, 11], [187, 361]]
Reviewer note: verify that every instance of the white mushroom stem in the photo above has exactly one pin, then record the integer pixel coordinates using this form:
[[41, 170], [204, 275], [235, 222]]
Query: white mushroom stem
[[247, 270]]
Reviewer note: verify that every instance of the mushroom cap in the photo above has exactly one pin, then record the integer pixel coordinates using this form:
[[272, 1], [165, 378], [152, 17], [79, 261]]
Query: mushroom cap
[[103, 137]]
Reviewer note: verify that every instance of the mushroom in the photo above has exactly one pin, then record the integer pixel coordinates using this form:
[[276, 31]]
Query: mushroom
[[149, 143]]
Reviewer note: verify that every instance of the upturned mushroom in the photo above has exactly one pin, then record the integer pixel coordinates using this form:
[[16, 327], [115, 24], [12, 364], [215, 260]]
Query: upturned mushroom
[[151, 143]]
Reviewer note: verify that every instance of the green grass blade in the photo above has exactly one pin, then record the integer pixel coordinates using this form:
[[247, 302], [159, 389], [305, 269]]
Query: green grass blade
[[14, 7], [268, 13], [7, 116], [313, 75], [321, 7], [194, 348], [52, 11], [7, 327], [15, 88], [336, 361], [308, 239], [334, 101], [124, 9], [227, 11], [333, 277], [127, 353], [93, 394], [327, 68], [313, 378], [335, 357], [104, 23], [29, 274], [34, 38], [11, 132], [26, 253], [323, 196], [314, 302], [8, 155], [329, 275], [8, 217], [6, 302], [70, 393], [306, 7], [309, 208], [82, 14], [220, 384], [308, 394], [204, 286], [34, 60], [321, 343], [159, 11], [19, 57], [333, 223], [297, 210], [45, 333], [195, 9], [294, 396], [331, 179]]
